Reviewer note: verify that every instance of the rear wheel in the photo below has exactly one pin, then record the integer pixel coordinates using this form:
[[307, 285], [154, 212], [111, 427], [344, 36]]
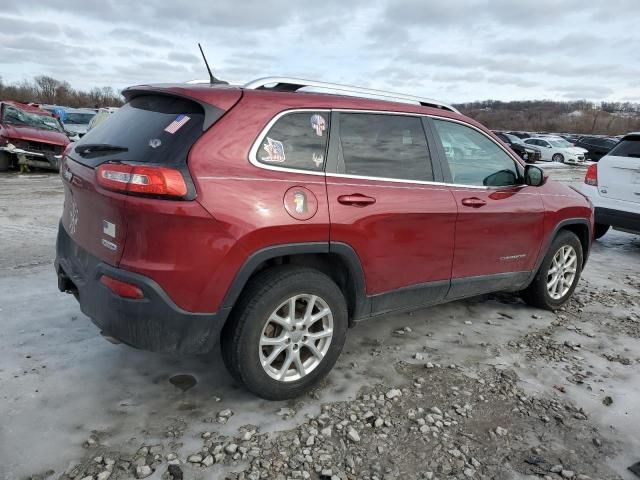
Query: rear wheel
[[286, 332], [5, 161], [558, 275], [600, 230], [558, 157]]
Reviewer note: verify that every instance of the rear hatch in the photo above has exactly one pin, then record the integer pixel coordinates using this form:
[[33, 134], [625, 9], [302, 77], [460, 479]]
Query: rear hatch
[[619, 171], [142, 145]]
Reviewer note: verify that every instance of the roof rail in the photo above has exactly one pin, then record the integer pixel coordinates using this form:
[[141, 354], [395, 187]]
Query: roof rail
[[286, 84]]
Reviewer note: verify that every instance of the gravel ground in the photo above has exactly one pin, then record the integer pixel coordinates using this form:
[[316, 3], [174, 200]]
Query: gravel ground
[[482, 389]]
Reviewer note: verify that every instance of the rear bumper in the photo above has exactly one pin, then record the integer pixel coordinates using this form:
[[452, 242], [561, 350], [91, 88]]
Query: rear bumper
[[153, 323], [618, 219]]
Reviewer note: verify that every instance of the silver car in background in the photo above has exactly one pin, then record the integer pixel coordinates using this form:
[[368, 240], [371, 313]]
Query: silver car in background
[[76, 122]]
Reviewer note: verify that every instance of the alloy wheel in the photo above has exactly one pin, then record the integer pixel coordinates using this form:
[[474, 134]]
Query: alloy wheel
[[296, 337], [562, 272]]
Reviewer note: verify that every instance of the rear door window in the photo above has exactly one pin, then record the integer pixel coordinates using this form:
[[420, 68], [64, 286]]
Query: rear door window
[[154, 129], [474, 159], [627, 147], [384, 146], [296, 140]]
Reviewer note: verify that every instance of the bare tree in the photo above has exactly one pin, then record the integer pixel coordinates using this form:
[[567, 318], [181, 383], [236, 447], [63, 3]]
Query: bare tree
[[47, 87]]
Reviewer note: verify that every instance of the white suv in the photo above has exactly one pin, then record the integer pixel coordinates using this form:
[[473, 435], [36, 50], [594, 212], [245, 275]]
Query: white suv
[[613, 186]]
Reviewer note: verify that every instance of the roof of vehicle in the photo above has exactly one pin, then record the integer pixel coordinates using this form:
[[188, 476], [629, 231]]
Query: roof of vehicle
[[295, 85], [545, 137], [27, 108]]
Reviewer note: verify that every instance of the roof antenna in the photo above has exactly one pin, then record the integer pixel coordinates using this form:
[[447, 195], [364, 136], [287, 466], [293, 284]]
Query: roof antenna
[[213, 80]]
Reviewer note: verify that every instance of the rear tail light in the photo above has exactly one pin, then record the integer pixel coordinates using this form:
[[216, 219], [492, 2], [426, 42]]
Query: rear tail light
[[123, 289], [591, 178], [142, 180]]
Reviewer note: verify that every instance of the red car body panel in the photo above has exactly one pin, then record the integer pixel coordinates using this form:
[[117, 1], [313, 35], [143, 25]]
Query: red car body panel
[[33, 135], [413, 234], [504, 235], [406, 238], [16, 132]]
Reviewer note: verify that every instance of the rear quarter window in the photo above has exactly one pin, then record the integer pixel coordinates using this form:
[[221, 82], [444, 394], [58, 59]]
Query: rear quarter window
[[297, 140], [627, 147]]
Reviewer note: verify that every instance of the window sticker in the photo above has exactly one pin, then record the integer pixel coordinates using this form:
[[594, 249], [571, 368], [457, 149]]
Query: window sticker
[[177, 124], [319, 124], [318, 159], [275, 151], [155, 142]]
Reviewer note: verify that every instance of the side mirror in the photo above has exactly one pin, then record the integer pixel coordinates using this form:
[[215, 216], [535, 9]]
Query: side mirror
[[534, 176]]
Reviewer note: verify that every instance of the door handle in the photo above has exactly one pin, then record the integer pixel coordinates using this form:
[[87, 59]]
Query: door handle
[[473, 202], [356, 200]]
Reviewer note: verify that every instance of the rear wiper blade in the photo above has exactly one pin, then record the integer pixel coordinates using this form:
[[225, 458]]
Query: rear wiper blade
[[98, 148]]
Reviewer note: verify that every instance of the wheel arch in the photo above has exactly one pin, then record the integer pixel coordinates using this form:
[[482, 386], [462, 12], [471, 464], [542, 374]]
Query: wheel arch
[[339, 261], [583, 230], [580, 226]]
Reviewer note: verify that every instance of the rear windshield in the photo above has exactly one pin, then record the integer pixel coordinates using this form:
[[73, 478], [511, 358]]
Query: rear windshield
[[627, 147], [154, 129]]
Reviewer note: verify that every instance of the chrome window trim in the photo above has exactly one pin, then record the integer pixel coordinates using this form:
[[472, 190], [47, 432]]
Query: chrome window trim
[[253, 153]]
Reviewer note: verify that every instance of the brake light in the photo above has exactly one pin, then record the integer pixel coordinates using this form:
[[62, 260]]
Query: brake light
[[142, 180], [124, 289], [591, 178]]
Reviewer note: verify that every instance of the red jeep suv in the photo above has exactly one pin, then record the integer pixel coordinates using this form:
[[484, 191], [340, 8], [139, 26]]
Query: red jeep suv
[[271, 219]]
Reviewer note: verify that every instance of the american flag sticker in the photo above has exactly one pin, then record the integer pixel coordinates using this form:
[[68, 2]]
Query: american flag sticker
[[177, 124], [275, 151]]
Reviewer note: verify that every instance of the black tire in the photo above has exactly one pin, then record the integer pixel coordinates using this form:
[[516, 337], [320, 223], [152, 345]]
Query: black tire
[[558, 157], [600, 230], [5, 161], [261, 296], [536, 294]]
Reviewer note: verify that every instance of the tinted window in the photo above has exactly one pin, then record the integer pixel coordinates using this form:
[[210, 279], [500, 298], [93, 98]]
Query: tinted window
[[151, 128], [296, 140], [387, 146], [473, 158], [627, 147]]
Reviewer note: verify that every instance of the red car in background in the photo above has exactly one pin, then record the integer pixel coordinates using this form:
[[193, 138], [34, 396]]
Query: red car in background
[[271, 220], [29, 136]]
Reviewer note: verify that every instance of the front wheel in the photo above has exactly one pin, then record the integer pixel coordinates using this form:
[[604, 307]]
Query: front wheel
[[558, 158], [286, 332], [558, 275]]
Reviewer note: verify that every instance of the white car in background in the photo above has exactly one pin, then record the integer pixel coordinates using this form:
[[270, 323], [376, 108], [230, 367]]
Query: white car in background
[[613, 186], [557, 149], [101, 116]]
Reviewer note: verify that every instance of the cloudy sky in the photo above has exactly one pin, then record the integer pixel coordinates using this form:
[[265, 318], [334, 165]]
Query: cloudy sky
[[455, 50]]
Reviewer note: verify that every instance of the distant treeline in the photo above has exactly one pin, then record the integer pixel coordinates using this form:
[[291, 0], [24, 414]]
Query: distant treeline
[[606, 118], [45, 89]]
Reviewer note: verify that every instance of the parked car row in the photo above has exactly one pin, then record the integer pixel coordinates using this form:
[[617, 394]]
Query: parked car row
[[33, 135], [528, 154], [593, 146], [30, 136]]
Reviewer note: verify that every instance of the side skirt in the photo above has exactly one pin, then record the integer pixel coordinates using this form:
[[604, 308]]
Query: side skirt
[[435, 293]]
